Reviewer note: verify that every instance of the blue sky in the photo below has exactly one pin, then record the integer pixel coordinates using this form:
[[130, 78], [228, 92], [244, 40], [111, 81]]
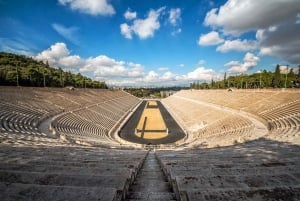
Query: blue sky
[[154, 43]]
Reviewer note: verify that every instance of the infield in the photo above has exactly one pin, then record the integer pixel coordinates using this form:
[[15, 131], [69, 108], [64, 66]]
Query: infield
[[151, 124]]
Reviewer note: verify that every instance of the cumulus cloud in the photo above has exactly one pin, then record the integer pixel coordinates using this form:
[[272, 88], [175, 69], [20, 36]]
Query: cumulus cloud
[[101, 66], [143, 28], [54, 54], [126, 30], [152, 76], [69, 33], [169, 76], [250, 61], [276, 24], [104, 67], [237, 45], [212, 38], [263, 14], [174, 16], [282, 42], [200, 73], [91, 7], [121, 73], [129, 15]]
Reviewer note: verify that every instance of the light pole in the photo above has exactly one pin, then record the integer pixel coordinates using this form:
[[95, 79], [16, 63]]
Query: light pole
[[44, 78], [260, 80], [17, 74]]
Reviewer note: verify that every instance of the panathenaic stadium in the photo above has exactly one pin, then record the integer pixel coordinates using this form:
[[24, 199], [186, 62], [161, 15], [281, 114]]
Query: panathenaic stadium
[[107, 145]]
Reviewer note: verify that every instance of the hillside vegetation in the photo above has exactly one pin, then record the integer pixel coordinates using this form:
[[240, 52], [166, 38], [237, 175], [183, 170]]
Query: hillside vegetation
[[19, 70], [282, 77]]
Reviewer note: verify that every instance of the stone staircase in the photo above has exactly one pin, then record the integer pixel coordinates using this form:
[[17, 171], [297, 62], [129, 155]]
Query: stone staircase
[[151, 183]]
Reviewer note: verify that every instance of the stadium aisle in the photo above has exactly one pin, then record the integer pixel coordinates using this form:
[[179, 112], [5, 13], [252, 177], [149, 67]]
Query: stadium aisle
[[150, 184]]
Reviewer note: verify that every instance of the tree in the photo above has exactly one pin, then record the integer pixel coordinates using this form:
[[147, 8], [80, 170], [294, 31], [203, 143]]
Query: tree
[[276, 79], [225, 80], [25, 71], [212, 83]]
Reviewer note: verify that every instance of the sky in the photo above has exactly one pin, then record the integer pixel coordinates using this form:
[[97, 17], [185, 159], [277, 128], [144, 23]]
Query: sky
[[154, 43]]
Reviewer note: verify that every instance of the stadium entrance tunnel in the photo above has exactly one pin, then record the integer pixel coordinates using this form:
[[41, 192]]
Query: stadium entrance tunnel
[[151, 124]]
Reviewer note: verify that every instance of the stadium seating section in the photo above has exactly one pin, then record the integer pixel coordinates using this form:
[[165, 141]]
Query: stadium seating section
[[61, 144], [220, 117]]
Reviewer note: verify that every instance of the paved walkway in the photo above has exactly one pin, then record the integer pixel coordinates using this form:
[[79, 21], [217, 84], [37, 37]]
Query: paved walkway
[[151, 184]]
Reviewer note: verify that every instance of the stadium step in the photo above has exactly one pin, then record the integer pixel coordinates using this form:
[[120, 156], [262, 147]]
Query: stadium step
[[151, 183]]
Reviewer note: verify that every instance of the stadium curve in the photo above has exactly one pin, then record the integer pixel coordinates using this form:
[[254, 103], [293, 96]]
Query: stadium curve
[[238, 145]]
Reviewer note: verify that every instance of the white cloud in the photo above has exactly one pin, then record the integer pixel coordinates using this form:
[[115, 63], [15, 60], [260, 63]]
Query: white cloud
[[71, 61], [174, 16], [91, 7], [143, 28], [70, 33], [237, 45], [104, 67], [200, 73], [101, 66], [250, 61], [163, 69], [126, 31], [181, 65], [152, 76], [276, 24], [212, 38], [283, 42], [129, 15], [120, 73], [54, 53], [169, 76], [263, 14], [285, 69]]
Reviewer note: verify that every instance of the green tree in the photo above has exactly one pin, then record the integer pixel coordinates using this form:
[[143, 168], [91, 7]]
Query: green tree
[[276, 79]]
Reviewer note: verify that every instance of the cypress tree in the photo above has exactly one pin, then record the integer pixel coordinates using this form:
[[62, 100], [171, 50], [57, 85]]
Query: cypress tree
[[276, 80]]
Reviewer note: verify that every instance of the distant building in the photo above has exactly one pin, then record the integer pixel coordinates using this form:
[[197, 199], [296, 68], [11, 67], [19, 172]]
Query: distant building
[[168, 93]]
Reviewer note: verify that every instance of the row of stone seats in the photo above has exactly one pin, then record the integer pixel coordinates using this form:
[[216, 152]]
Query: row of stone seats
[[95, 121], [23, 109], [253, 101], [67, 172], [16, 118], [290, 112], [279, 109], [229, 130], [259, 170], [193, 115], [209, 125], [75, 124]]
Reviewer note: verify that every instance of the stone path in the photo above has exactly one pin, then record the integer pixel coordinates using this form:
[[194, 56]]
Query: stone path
[[151, 183]]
